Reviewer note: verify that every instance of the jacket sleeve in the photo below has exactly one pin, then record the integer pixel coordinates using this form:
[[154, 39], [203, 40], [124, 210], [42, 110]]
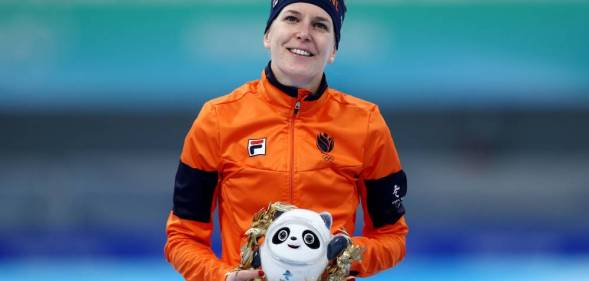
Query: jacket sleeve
[[189, 226], [382, 187]]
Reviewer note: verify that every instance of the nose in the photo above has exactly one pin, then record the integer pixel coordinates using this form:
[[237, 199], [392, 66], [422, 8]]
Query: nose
[[293, 238], [304, 33]]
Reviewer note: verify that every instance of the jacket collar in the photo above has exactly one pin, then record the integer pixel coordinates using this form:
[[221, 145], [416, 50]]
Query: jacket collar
[[294, 91], [284, 98]]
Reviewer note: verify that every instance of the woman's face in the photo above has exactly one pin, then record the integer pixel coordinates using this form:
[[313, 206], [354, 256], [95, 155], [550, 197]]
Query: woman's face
[[301, 42]]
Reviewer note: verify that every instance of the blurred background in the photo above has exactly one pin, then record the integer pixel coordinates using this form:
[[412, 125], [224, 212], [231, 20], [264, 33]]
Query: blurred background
[[488, 101]]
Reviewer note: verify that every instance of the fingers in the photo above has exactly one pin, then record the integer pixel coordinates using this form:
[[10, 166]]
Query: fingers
[[245, 275]]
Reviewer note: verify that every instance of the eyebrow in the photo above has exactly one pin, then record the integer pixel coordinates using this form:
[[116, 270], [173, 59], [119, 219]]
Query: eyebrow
[[317, 18]]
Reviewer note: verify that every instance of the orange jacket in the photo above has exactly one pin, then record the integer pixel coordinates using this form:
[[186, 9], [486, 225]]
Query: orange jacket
[[259, 145]]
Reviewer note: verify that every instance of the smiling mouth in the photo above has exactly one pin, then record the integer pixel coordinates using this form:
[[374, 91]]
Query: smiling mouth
[[300, 52], [293, 246]]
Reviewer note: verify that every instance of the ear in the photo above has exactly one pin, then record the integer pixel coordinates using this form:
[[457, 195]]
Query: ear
[[277, 214], [267, 40], [331, 57], [326, 218]]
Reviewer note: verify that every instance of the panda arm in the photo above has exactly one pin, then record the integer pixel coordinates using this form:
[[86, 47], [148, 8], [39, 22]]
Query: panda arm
[[256, 262]]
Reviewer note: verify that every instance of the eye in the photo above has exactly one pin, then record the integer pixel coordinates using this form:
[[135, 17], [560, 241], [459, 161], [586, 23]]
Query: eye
[[321, 26], [281, 235], [291, 19], [311, 239]]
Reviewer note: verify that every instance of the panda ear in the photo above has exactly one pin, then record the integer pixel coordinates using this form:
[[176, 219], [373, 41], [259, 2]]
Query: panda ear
[[277, 214], [326, 218]]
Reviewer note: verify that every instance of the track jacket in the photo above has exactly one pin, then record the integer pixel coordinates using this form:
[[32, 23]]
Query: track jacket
[[267, 142]]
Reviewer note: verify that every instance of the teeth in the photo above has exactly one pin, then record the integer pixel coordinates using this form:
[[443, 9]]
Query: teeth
[[301, 52]]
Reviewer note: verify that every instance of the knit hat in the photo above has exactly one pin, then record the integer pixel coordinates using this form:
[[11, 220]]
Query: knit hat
[[335, 8]]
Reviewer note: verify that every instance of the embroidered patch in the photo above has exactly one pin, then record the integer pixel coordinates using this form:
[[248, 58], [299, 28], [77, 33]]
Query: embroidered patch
[[325, 142], [256, 147]]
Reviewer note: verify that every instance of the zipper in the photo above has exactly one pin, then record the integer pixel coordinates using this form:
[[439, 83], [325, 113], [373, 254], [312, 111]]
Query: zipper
[[297, 107], [295, 114]]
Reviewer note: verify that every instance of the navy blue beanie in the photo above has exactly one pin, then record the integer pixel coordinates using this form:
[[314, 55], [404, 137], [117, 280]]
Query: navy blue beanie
[[336, 9]]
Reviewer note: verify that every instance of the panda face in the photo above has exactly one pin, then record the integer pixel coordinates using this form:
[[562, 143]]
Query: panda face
[[295, 245], [309, 239], [296, 242]]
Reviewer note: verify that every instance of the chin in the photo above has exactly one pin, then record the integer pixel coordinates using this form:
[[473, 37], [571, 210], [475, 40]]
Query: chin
[[300, 73]]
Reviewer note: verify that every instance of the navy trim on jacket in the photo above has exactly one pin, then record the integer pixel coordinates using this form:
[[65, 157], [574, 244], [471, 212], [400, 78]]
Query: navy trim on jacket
[[384, 198], [193, 193], [293, 91]]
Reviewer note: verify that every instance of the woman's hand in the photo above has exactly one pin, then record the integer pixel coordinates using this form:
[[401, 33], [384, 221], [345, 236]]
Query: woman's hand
[[244, 275]]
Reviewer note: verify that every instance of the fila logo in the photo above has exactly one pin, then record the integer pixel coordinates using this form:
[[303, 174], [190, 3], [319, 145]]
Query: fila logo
[[256, 147]]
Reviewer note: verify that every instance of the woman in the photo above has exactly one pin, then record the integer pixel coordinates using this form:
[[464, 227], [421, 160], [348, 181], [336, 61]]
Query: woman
[[287, 137]]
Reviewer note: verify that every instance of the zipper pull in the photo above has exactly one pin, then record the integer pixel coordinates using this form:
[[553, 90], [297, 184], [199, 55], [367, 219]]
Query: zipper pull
[[297, 107], [302, 94]]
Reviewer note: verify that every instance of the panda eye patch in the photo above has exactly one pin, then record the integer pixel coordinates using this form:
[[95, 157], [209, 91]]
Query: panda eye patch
[[310, 239], [281, 235]]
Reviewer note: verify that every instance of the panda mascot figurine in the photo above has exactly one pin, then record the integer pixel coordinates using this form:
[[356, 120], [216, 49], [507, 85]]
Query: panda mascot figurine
[[295, 246]]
